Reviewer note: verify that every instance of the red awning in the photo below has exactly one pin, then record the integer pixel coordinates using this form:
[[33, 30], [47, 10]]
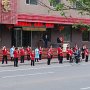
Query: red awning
[[51, 19]]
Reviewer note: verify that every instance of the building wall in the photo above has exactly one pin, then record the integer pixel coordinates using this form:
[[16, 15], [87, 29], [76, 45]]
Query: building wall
[[5, 36], [42, 10]]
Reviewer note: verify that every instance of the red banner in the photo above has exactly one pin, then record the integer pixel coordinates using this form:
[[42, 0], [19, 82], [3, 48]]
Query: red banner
[[8, 11]]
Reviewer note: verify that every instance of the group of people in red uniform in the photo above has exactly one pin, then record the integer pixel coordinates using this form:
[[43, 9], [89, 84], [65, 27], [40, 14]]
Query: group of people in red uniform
[[70, 52], [20, 52]]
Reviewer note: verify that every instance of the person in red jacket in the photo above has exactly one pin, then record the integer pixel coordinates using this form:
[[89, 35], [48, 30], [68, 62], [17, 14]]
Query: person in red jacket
[[32, 55], [86, 54], [16, 54], [28, 49], [71, 54], [40, 53], [61, 55], [51, 50], [67, 53], [4, 52], [58, 52], [48, 57], [22, 54]]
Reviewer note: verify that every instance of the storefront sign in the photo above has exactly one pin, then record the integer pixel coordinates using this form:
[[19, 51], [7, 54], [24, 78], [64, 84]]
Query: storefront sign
[[33, 29]]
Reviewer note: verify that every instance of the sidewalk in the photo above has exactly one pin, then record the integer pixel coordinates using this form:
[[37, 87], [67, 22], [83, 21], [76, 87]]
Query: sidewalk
[[43, 61]]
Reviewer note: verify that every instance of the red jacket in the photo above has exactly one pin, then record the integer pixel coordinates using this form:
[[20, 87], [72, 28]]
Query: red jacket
[[70, 52], [22, 52], [16, 53], [4, 51], [28, 51], [86, 52], [59, 50], [49, 54], [40, 50], [67, 51], [32, 56]]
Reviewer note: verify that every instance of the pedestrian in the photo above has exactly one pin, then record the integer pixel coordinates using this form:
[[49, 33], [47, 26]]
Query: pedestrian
[[77, 55], [37, 54], [16, 55], [22, 54], [86, 54], [51, 50], [40, 52], [46, 39], [11, 53], [32, 55], [58, 52], [28, 50], [67, 53], [83, 51], [71, 54], [48, 57], [61, 56], [4, 52]]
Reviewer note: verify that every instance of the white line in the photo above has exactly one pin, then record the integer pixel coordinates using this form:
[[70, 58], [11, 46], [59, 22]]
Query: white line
[[85, 88], [33, 68], [27, 75]]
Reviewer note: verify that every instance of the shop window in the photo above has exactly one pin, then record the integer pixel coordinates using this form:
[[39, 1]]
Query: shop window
[[56, 2], [85, 36], [31, 2]]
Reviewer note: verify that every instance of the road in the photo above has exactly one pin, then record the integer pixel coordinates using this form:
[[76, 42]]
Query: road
[[64, 76]]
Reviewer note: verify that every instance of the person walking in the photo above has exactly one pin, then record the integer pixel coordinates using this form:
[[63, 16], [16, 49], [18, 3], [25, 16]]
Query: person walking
[[4, 52], [28, 50], [58, 52], [67, 53], [37, 54], [11, 53], [40, 53], [32, 55], [48, 57], [16, 54], [22, 54], [86, 54]]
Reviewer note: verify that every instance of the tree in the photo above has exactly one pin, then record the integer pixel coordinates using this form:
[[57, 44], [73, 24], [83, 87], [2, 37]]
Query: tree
[[83, 6]]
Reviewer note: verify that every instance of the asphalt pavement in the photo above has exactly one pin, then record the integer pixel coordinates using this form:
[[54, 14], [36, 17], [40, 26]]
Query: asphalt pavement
[[66, 76]]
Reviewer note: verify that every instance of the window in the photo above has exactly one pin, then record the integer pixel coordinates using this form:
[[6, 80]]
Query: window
[[31, 2], [66, 33], [76, 5], [85, 36], [56, 2], [27, 1]]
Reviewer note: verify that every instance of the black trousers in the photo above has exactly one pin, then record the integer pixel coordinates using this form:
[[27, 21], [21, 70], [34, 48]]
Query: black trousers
[[12, 59], [40, 56], [32, 63], [83, 55], [22, 59], [15, 62], [86, 60], [67, 56], [58, 57], [77, 59], [71, 60], [36, 59], [28, 57], [4, 59], [61, 59], [48, 61]]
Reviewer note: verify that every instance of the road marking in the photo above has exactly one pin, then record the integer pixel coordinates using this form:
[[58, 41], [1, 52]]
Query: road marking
[[33, 68], [85, 88], [27, 75]]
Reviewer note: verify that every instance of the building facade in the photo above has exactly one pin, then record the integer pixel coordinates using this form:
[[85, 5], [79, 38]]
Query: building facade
[[25, 22]]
